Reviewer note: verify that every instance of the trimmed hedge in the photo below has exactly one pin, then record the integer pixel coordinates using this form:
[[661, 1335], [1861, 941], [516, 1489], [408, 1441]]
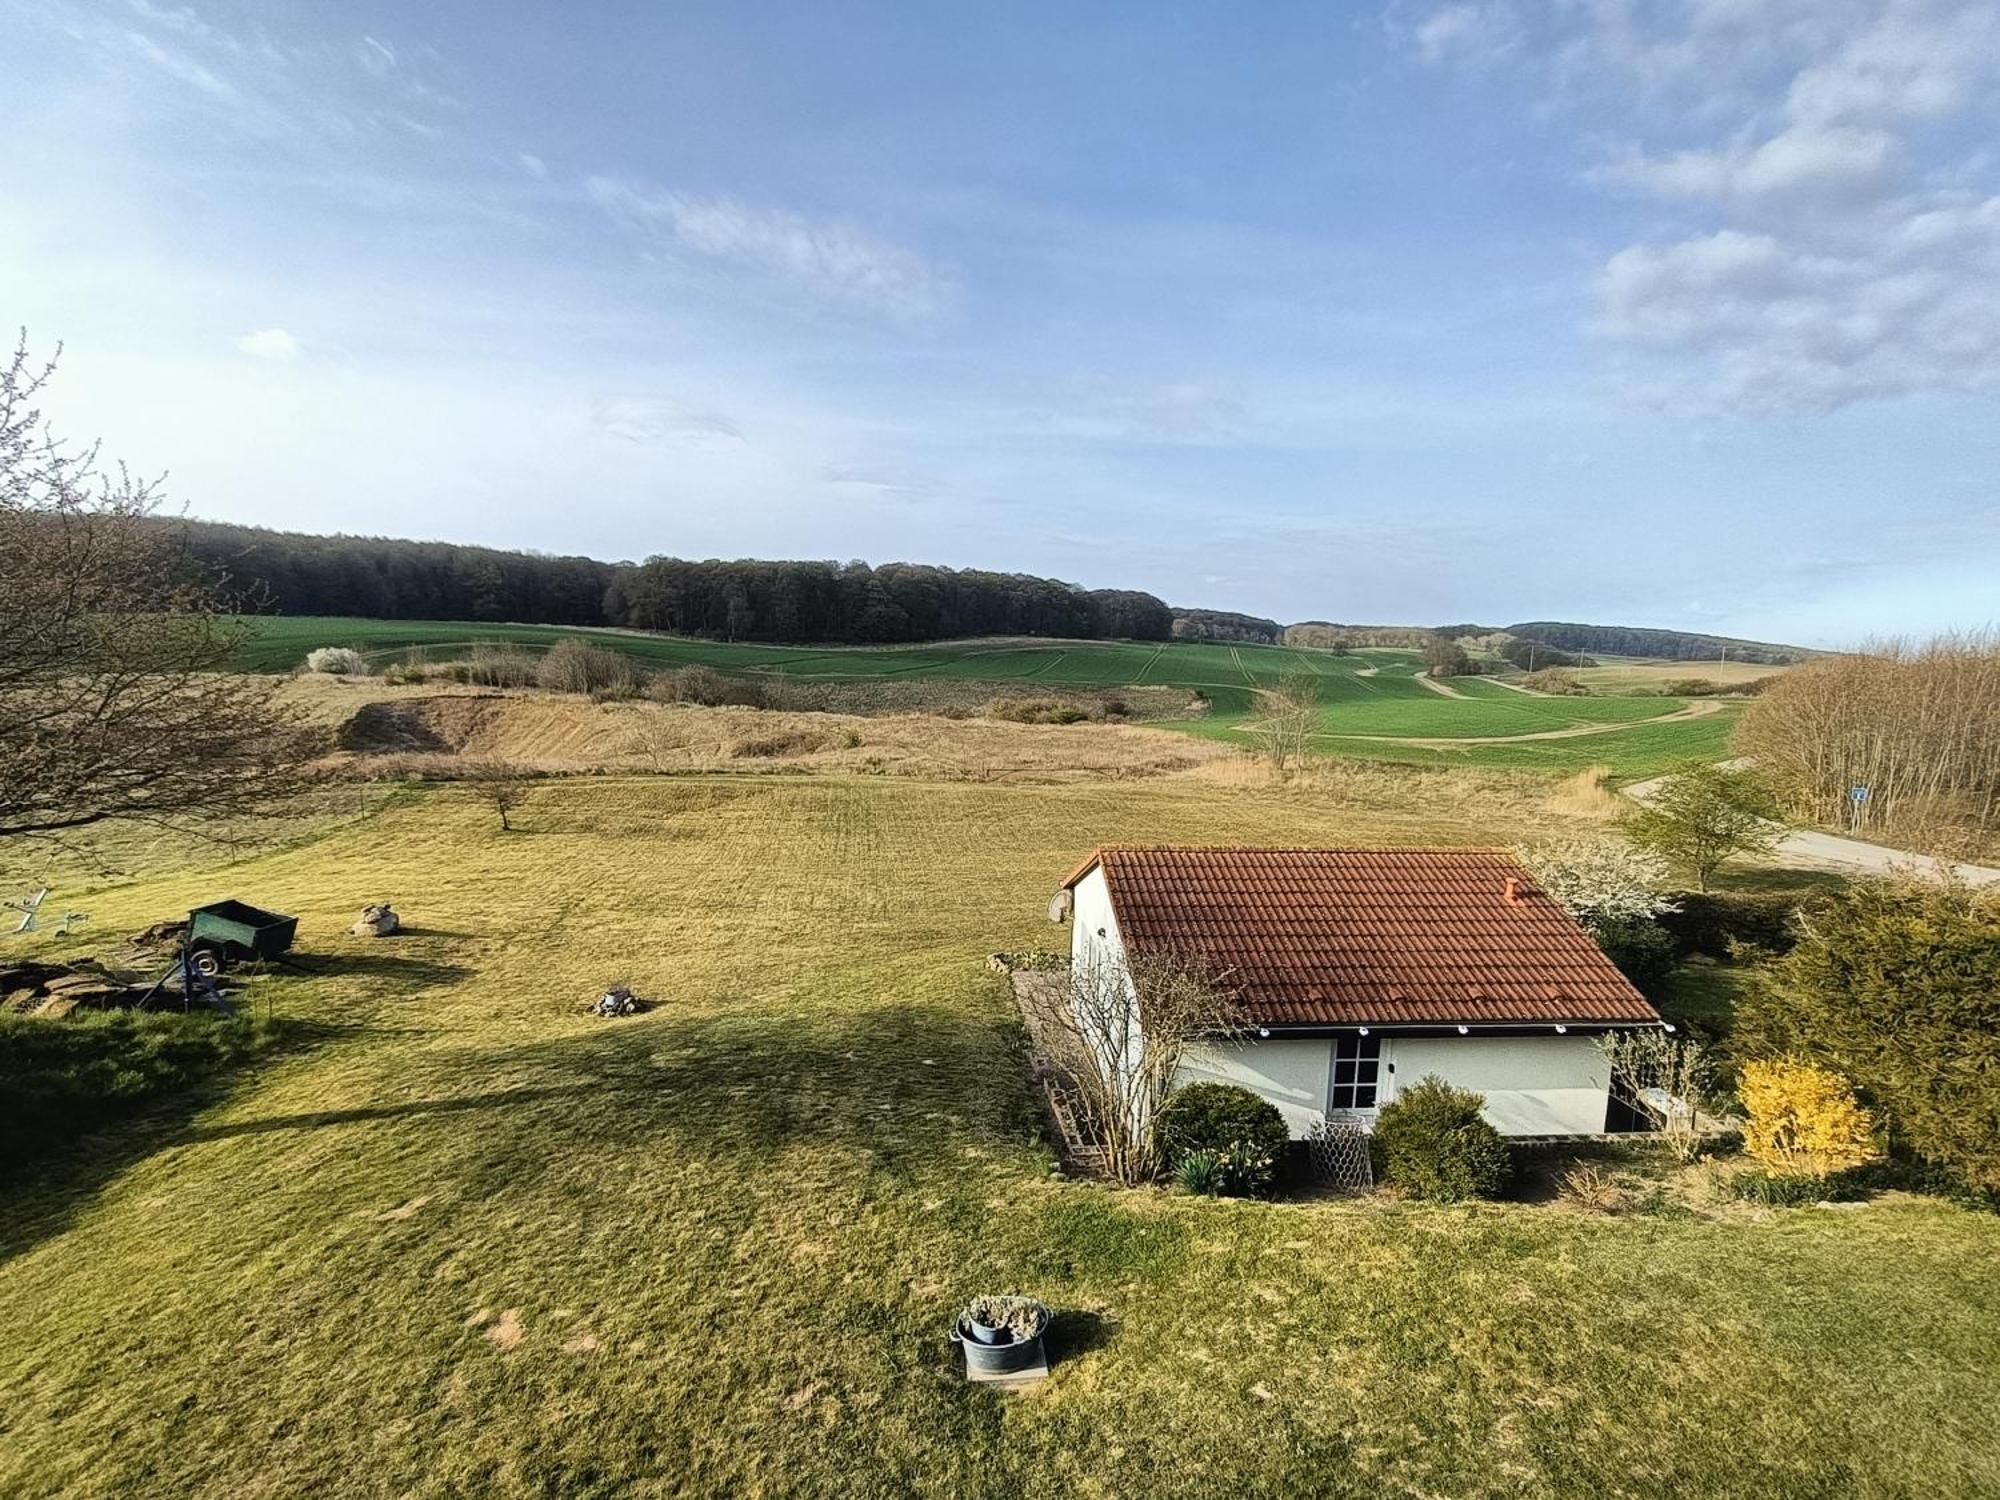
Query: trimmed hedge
[[1709, 921], [1643, 950], [1432, 1141], [1216, 1116]]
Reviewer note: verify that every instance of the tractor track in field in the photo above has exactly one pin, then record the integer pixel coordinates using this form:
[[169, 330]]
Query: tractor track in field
[[1442, 689], [1698, 710]]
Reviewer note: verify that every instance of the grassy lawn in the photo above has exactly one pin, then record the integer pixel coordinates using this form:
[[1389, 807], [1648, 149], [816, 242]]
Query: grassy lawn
[[1370, 699], [457, 1238]]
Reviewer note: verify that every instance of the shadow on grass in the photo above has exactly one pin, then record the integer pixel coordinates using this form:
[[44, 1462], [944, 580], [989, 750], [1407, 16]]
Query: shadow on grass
[[315, 1119], [404, 972], [1074, 1332], [87, 1099]]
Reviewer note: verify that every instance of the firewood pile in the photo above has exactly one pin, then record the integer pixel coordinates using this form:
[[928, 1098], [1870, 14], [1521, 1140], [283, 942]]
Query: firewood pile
[[161, 937]]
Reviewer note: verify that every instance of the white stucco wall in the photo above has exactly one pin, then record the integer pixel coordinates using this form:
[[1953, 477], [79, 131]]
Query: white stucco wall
[[1534, 1085], [1290, 1074], [1093, 932], [1097, 967], [1554, 1085]]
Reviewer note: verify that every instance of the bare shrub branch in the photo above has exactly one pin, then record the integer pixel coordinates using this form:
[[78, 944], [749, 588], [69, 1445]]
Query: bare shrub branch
[[115, 701], [1284, 732], [1114, 1037], [1667, 1079]]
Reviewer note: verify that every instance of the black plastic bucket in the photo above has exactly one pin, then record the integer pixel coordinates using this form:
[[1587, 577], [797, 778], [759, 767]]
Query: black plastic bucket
[[1001, 1359]]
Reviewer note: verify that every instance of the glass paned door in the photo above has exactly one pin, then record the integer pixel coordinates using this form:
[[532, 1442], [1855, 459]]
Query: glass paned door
[[1357, 1068]]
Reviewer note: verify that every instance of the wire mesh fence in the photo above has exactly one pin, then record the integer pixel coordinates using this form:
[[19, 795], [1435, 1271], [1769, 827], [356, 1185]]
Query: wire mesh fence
[[1338, 1145]]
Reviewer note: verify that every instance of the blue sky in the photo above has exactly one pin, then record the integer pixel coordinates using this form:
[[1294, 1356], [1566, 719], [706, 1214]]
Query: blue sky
[[1662, 313]]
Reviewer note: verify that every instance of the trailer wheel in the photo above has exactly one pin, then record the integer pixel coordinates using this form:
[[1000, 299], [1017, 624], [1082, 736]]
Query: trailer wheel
[[207, 961]]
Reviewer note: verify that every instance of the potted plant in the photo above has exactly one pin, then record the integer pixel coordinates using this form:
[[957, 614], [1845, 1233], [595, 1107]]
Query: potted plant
[[1005, 1320], [1001, 1335]]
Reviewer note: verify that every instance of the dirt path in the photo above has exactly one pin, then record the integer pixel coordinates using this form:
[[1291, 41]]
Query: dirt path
[[1441, 688], [1831, 851], [1515, 687], [1697, 710]]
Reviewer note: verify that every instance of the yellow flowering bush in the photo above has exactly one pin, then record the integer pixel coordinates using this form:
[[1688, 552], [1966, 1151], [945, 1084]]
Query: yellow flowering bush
[[1803, 1120]]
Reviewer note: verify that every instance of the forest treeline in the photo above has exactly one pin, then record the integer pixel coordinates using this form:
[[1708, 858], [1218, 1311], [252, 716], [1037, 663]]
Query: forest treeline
[[1225, 625], [1673, 645], [382, 578]]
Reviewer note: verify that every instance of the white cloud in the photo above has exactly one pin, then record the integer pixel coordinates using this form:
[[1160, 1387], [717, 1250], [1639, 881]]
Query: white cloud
[[267, 85], [270, 343], [1917, 60], [1776, 323], [661, 420], [886, 483], [1480, 32], [1825, 264], [178, 65], [825, 258], [1801, 165], [376, 58], [533, 165]]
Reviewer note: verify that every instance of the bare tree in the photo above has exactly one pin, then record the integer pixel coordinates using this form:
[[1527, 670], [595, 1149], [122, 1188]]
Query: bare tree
[[500, 786], [1444, 657], [1284, 732], [1667, 1079], [1915, 724], [661, 739], [1113, 1038], [115, 698]]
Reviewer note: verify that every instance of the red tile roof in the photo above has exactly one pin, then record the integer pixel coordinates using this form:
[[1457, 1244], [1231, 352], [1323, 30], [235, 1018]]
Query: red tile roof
[[1345, 937]]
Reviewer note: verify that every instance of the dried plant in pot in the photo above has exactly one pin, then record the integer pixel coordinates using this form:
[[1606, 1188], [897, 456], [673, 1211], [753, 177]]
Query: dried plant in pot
[[1003, 1320]]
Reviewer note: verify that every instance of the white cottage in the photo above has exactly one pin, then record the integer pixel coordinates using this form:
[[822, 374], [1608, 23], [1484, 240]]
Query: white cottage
[[1357, 969]]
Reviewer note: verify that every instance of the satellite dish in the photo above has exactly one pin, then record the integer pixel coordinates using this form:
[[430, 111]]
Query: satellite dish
[[1059, 905]]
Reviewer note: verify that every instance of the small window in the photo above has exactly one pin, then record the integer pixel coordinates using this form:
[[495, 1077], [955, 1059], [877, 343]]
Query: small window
[[1357, 1062]]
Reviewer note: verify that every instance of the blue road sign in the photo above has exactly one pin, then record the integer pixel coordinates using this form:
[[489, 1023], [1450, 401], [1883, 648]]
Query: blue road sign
[[1857, 794]]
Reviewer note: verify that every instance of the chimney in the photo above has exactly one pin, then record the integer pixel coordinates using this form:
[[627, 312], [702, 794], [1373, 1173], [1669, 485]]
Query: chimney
[[1513, 891]]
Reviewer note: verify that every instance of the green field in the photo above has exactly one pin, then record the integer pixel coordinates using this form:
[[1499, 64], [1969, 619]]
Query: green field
[[1370, 700], [454, 1237]]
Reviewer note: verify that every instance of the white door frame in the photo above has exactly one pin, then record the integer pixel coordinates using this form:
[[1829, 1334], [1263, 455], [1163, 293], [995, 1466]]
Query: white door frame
[[1385, 1079]]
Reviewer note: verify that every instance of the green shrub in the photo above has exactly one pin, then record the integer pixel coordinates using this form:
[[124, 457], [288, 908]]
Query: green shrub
[[1217, 1117], [1642, 950], [1433, 1142], [1247, 1169], [1912, 1174], [1895, 986], [1557, 682], [1712, 922]]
